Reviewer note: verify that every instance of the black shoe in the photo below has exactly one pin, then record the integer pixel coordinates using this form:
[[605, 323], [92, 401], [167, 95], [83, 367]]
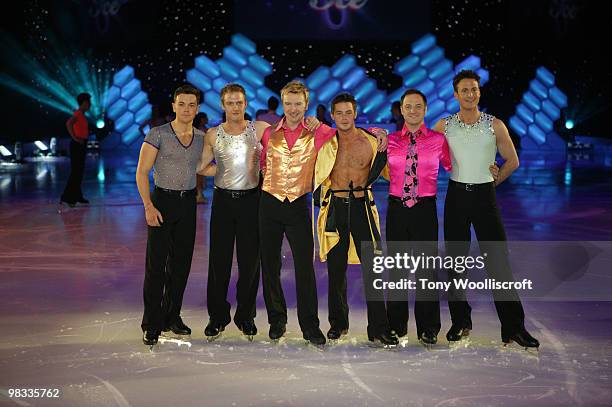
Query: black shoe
[[213, 329], [150, 337], [82, 200], [69, 203], [386, 338], [335, 333], [428, 338], [178, 328], [277, 331], [314, 336], [456, 333], [247, 327], [522, 338], [400, 332]]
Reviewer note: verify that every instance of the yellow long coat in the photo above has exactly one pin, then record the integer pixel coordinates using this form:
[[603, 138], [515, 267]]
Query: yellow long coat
[[326, 159]]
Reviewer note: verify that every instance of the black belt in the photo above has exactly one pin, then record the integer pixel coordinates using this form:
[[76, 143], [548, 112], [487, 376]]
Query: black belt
[[330, 225], [175, 192], [394, 198], [470, 187], [235, 194], [347, 199]]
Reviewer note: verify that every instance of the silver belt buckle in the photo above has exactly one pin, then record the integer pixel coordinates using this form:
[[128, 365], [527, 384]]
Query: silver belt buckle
[[469, 187], [235, 195]]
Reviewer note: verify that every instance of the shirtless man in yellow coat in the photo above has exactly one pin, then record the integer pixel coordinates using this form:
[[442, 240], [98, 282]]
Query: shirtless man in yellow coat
[[346, 168]]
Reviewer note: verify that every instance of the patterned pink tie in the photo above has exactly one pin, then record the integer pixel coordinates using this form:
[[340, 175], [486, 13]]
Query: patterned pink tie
[[410, 192]]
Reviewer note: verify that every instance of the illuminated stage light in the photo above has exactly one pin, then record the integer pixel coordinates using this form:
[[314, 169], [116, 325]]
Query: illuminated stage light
[[100, 124], [5, 151], [128, 107], [57, 81], [569, 124], [101, 176], [41, 146], [535, 115]]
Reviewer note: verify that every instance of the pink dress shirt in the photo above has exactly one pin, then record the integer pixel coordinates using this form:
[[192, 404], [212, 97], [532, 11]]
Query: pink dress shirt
[[432, 150], [321, 136]]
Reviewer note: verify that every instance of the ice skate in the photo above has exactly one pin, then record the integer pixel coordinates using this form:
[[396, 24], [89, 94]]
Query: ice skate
[[248, 328], [213, 330], [428, 340], [334, 335], [386, 340], [315, 337], [150, 338], [523, 339]]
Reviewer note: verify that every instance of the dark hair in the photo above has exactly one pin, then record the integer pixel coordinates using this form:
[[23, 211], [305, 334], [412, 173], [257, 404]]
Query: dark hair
[[397, 104], [414, 92], [272, 103], [232, 87], [465, 74], [199, 117], [82, 97], [187, 90], [344, 98]]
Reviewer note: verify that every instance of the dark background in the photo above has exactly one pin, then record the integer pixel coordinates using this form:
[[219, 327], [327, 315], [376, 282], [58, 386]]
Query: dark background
[[161, 38]]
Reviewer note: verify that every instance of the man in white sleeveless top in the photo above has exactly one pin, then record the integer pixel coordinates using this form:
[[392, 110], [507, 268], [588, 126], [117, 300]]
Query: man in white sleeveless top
[[474, 138], [236, 147]]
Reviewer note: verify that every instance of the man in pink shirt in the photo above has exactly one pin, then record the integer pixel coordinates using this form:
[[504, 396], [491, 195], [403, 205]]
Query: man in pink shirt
[[414, 157]]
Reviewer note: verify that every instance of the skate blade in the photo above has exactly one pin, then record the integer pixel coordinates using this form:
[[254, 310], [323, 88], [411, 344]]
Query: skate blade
[[250, 337], [376, 344], [172, 335], [427, 346], [342, 339], [315, 346], [465, 342], [178, 342], [278, 341], [513, 347], [213, 338]]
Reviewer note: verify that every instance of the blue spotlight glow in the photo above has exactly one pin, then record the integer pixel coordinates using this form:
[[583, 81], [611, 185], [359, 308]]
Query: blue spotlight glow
[[100, 124], [57, 78], [569, 124], [101, 176]]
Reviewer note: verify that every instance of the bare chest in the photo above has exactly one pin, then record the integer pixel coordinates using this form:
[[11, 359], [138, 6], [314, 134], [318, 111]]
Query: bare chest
[[354, 154], [353, 161]]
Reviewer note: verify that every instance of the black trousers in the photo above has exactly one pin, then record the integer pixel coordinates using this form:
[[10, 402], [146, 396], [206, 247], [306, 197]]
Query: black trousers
[[291, 219], [355, 225], [233, 219], [169, 254], [414, 231], [478, 207], [73, 192]]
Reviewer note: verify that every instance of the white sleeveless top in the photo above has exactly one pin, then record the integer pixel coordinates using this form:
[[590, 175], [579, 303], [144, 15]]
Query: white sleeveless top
[[473, 148], [237, 158]]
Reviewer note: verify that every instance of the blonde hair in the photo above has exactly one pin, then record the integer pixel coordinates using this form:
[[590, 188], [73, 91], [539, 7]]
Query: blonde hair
[[295, 87], [231, 88]]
